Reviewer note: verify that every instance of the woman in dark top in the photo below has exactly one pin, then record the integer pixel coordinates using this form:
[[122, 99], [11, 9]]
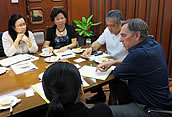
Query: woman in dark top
[[61, 36], [62, 86]]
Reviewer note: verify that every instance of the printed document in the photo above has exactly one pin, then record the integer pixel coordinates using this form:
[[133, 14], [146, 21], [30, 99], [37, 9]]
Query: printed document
[[24, 66], [89, 71]]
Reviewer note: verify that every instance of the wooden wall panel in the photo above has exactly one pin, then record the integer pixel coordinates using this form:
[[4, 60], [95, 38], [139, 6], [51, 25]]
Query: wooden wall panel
[[131, 6], [4, 15], [123, 8], [152, 18], [78, 9], [166, 31], [115, 4], [7, 9], [141, 9]]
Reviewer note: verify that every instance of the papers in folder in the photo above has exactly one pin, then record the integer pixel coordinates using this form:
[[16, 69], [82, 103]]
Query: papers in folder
[[88, 71]]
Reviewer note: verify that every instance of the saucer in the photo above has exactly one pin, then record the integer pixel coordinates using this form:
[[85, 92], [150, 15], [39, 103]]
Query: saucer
[[2, 70], [45, 55], [14, 100], [51, 59]]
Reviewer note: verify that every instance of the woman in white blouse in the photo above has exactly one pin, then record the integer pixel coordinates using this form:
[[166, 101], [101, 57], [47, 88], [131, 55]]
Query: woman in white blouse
[[18, 39]]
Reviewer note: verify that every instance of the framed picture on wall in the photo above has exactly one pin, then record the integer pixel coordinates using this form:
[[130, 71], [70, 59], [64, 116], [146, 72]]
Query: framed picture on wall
[[36, 15]]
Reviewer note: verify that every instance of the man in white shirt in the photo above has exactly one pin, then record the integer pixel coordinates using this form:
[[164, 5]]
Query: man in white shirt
[[114, 47]]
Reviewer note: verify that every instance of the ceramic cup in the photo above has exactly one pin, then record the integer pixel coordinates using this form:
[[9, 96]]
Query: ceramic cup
[[45, 51]]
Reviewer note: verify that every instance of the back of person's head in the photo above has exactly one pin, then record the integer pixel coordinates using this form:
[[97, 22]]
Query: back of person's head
[[116, 15], [138, 25], [55, 12], [61, 83], [11, 25]]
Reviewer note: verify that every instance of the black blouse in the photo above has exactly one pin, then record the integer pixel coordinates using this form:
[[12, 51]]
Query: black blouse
[[80, 110], [51, 35]]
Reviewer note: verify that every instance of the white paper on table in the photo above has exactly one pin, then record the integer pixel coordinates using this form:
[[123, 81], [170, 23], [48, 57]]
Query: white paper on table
[[84, 83], [29, 92], [112, 67], [77, 66], [23, 67], [13, 60], [89, 71], [79, 60], [17, 58], [32, 58], [39, 89], [64, 55]]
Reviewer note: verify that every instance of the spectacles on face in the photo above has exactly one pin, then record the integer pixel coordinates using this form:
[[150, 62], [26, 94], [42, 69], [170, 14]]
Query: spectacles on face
[[21, 25]]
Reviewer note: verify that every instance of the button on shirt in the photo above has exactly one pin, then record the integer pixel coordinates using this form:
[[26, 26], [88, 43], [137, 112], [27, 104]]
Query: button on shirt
[[113, 44]]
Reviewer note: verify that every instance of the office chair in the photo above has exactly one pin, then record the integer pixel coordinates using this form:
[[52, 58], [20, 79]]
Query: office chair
[[1, 46], [150, 110]]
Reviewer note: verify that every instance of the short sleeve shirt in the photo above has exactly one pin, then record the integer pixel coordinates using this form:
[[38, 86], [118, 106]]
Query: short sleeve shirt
[[113, 44]]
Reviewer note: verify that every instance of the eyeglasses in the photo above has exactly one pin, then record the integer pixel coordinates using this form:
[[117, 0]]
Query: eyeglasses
[[22, 25]]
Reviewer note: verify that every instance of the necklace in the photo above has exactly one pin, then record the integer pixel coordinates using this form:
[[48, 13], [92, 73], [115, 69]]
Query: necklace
[[61, 32]]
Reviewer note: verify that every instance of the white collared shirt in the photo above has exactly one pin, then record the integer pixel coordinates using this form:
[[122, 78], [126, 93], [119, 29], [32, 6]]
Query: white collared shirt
[[113, 44]]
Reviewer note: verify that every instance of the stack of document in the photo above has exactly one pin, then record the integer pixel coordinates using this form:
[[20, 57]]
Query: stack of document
[[16, 59], [93, 74]]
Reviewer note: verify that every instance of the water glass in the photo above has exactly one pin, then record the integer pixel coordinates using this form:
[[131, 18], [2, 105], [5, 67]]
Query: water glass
[[88, 42]]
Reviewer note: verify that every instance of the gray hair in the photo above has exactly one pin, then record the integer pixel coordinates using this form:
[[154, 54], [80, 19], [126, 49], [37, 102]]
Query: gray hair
[[116, 14], [138, 25]]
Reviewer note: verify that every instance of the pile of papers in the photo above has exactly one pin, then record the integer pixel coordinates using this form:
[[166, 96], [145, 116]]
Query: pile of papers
[[20, 63], [16, 59]]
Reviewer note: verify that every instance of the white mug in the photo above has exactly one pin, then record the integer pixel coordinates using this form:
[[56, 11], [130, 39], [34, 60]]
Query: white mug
[[45, 51]]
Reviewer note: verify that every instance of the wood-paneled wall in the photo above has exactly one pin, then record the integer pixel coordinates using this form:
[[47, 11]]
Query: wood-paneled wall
[[7, 9], [157, 13]]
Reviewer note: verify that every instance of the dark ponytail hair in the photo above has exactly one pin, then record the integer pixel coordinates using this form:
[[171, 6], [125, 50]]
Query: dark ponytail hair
[[61, 83], [11, 25]]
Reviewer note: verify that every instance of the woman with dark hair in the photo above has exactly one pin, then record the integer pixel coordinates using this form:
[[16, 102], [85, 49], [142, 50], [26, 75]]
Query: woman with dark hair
[[18, 39], [62, 86], [61, 36]]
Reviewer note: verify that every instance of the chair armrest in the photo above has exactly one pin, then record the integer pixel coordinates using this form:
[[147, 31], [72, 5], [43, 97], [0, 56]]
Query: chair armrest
[[159, 111], [170, 79]]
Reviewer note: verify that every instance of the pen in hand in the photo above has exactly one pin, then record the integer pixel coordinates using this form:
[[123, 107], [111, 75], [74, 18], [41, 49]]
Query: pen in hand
[[102, 69]]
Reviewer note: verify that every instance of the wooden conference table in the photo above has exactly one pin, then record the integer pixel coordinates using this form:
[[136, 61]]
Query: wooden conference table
[[12, 84]]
